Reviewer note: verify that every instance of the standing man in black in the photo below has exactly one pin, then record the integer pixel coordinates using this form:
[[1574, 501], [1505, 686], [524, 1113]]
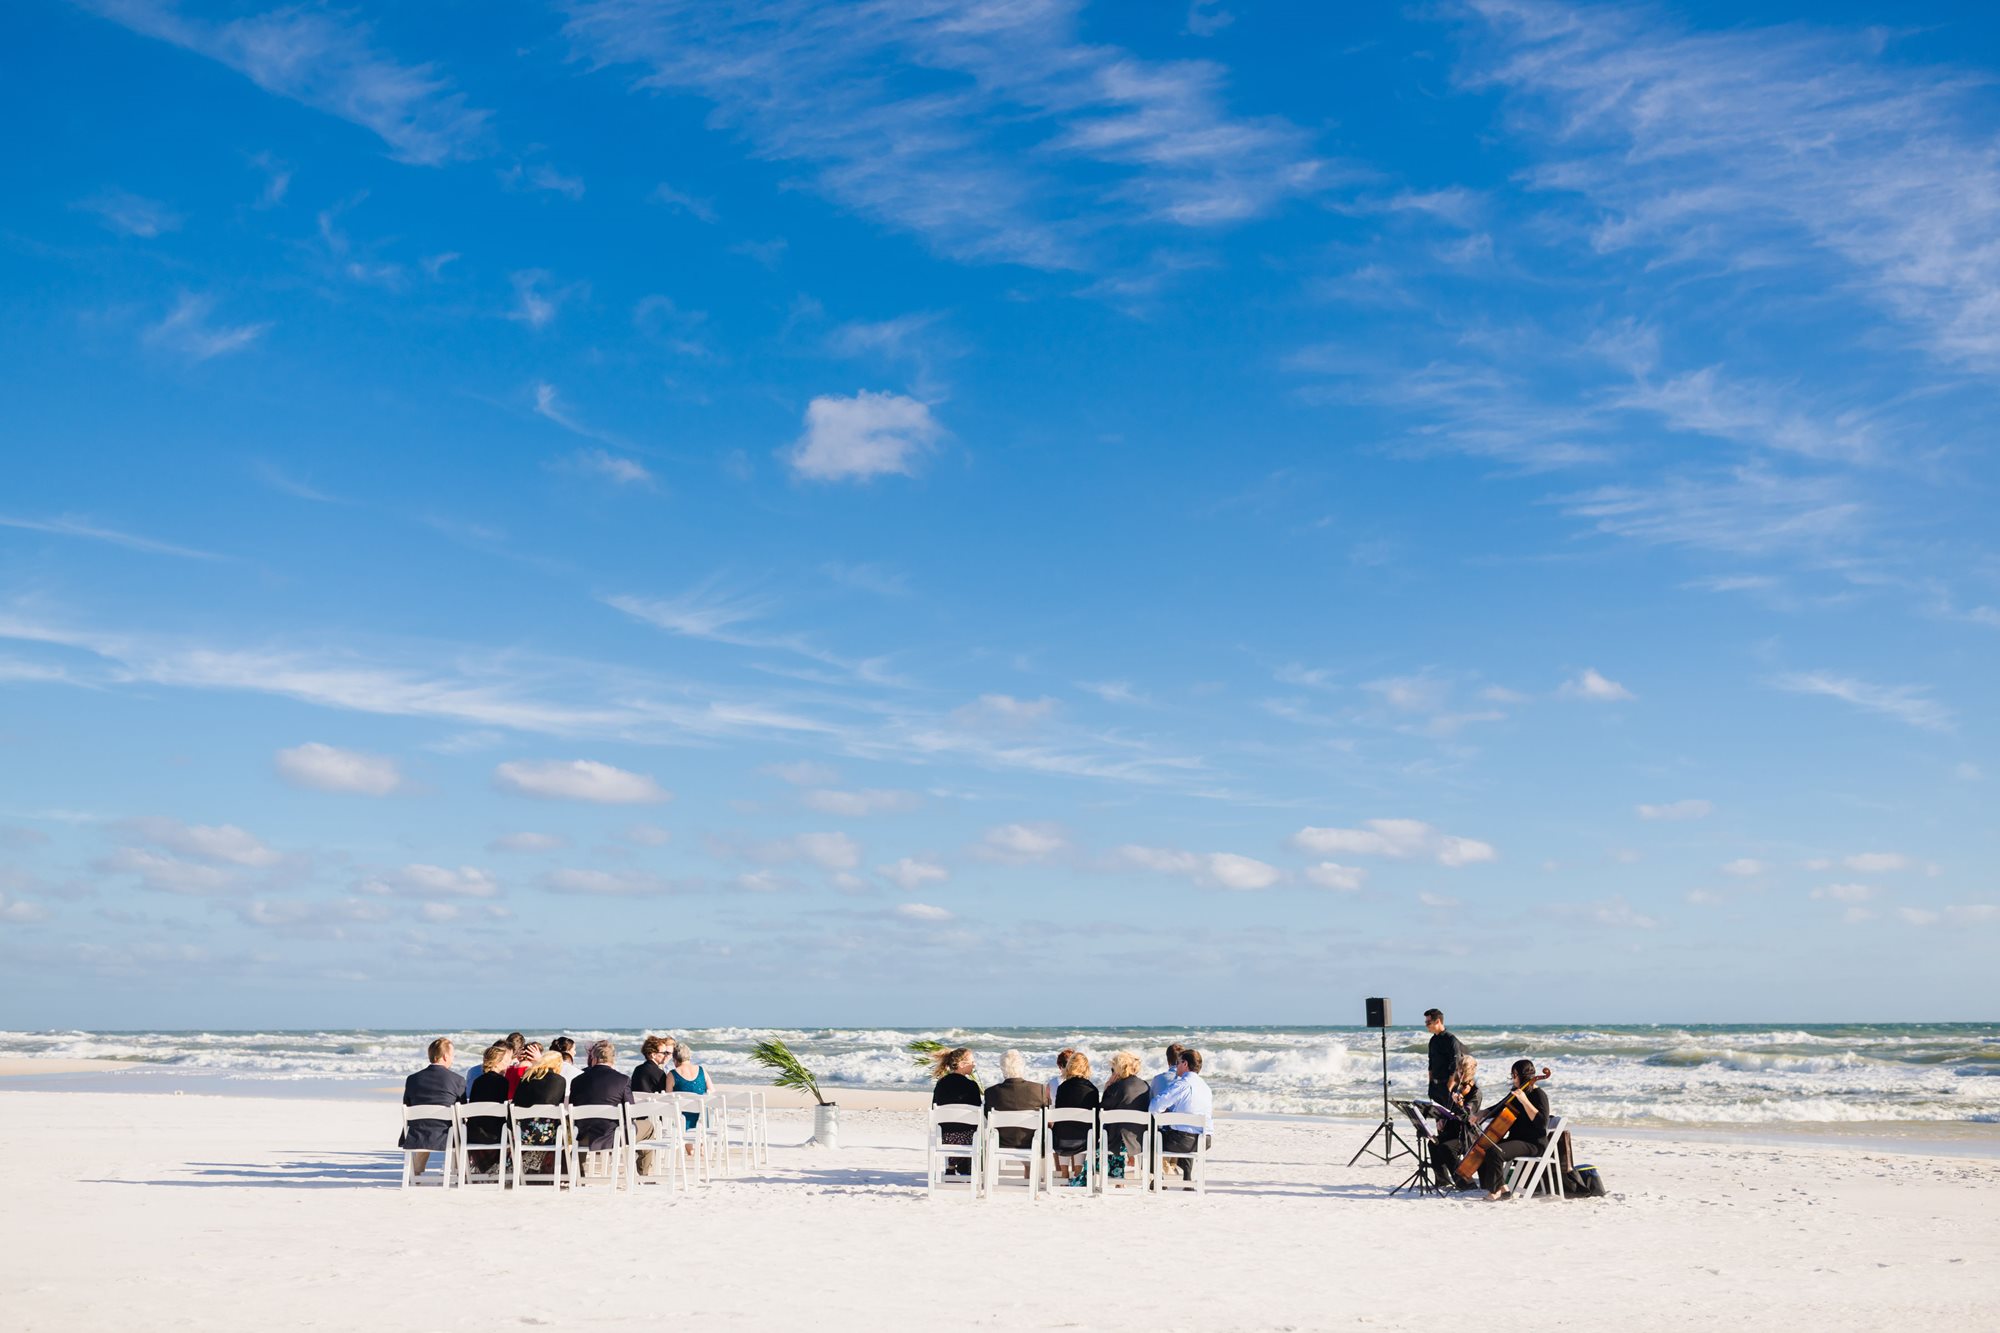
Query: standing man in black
[[1445, 1052]]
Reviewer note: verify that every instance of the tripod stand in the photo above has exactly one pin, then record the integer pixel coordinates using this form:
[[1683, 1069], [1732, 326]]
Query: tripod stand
[[1393, 1143]]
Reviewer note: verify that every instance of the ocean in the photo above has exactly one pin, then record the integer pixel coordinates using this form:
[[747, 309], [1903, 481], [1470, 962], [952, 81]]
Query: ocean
[[1644, 1075]]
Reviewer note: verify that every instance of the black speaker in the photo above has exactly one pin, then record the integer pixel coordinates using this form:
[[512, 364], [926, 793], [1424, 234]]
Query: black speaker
[[1378, 1011]]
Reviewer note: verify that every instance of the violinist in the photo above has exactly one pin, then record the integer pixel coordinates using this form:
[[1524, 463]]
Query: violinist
[[1458, 1117], [1528, 1135]]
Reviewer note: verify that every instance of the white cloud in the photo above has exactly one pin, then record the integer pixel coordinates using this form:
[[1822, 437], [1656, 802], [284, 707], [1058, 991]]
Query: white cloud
[[326, 768], [1843, 893], [647, 835], [1875, 863], [528, 843], [1744, 867], [804, 773], [578, 780], [972, 157], [419, 880], [537, 300], [1593, 686], [1704, 898], [130, 214], [211, 842], [70, 526], [170, 874], [19, 911], [607, 883], [1676, 810], [1112, 691], [910, 874], [1222, 870], [624, 471], [1006, 710], [828, 851], [1398, 839], [865, 436], [699, 209], [327, 62], [922, 912], [873, 801], [1909, 704], [1618, 914], [1023, 842], [186, 329], [1333, 875]]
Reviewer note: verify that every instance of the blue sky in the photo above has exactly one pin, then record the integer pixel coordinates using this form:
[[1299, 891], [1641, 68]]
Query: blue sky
[[921, 512]]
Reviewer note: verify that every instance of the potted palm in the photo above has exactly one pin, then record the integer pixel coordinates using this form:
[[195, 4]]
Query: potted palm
[[788, 1071]]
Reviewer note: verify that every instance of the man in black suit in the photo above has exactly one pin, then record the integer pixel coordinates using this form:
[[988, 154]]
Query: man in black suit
[[436, 1084], [602, 1084], [1446, 1051]]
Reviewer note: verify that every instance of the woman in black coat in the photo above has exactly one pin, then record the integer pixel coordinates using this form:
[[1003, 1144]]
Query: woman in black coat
[[1076, 1092], [955, 1086], [1126, 1092]]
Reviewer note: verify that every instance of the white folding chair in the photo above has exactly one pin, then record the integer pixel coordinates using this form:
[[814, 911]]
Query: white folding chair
[[556, 1152], [581, 1157], [938, 1154], [473, 1113], [760, 1126], [1087, 1159], [1526, 1174], [697, 1134], [430, 1115], [1196, 1158], [663, 1114], [736, 1130], [1138, 1167], [1029, 1156]]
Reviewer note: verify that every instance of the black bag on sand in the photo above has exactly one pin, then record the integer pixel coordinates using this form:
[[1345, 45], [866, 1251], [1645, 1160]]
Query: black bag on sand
[[1582, 1182]]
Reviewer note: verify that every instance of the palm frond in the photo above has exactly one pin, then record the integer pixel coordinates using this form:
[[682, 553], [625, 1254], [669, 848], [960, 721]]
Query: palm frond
[[789, 1070], [924, 1050]]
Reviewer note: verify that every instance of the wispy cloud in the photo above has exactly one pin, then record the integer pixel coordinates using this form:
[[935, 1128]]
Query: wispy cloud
[[1397, 839], [70, 526], [1910, 704], [322, 767], [538, 298], [972, 158], [1791, 145], [130, 214], [187, 330], [1217, 870], [325, 61]]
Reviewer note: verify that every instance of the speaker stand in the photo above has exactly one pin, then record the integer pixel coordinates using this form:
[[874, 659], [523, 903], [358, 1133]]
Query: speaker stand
[[1394, 1145]]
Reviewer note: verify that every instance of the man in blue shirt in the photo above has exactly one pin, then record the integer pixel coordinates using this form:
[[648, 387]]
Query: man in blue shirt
[[1160, 1081], [1187, 1093]]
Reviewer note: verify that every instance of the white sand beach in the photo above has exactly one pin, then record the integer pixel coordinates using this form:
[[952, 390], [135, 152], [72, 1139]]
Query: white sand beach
[[221, 1213]]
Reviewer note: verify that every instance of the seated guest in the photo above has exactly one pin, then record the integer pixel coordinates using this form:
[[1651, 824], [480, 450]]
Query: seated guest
[[566, 1048], [1187, 1095], [1062, 1072], [525, 1056], [542, 1085], [955, 1086], [602, 1084], [1161, 1080], [650, 1078], [1069, 1142], [1016, 1092], [489, 1086], [689, 1077], [434, 1085], [1125, 1092], [1528, 1135]]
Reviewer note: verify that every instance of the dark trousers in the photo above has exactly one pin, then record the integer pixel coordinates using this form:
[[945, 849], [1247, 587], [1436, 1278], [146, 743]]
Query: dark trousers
[[1177, 1140], [1493, 1168]]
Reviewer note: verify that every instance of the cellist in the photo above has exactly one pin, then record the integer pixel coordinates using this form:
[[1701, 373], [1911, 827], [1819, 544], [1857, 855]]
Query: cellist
[[1528, 1135]]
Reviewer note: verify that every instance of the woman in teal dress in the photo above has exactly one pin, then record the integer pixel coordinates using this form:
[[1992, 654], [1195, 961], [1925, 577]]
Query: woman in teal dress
[[689, 1077]]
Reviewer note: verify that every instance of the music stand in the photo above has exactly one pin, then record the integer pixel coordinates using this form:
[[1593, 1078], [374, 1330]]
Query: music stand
[[1393, 1143]]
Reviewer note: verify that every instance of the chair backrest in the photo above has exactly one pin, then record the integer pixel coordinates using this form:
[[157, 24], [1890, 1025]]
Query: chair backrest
[[1180, 1120], [957, 1113], [1014, 1120], [448, 1112], [610, 1111], [1109, 1118], [1071, 1115], [559, 1111]]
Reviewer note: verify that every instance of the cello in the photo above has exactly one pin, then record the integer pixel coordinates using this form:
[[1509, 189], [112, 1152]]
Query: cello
[[1496, 1129]]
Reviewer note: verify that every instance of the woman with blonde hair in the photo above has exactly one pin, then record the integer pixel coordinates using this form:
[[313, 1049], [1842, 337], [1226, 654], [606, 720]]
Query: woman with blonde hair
[[542, 1085], [1076, 1092], [955, 1086], [1127, 1091]]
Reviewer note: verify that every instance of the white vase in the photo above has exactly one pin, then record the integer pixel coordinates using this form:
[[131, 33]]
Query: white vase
[[826, 1125]]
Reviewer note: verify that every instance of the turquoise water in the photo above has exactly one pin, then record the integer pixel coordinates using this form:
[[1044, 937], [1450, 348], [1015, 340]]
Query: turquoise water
[[1692, 1074]]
